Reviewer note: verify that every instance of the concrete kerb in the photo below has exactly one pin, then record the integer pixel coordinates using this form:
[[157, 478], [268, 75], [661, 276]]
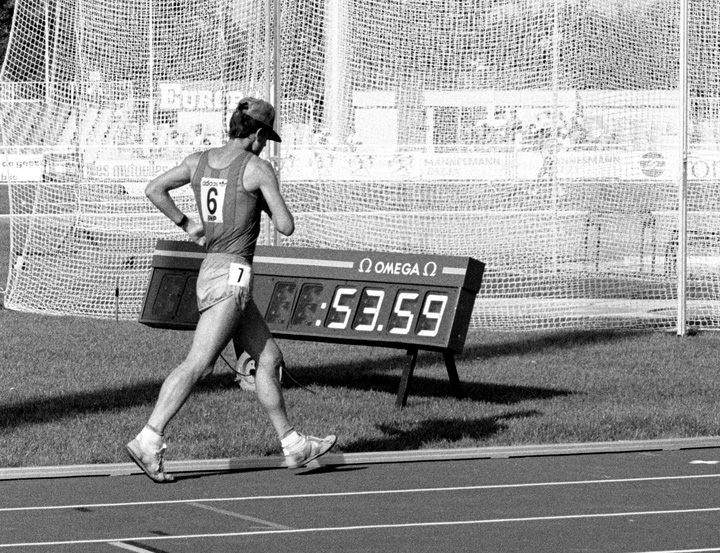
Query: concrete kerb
[[336, 459]]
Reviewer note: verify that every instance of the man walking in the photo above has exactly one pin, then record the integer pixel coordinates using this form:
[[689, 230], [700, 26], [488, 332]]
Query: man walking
[[232, 186]]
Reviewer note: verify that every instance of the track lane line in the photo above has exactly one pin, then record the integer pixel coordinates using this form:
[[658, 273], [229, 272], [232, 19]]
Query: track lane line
[[240, 516], [135, 548], [370, 527], [705, 550], [361, 493]]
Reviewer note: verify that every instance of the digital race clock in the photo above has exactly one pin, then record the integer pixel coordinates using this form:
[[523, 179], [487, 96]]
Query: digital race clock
[[409, 301]]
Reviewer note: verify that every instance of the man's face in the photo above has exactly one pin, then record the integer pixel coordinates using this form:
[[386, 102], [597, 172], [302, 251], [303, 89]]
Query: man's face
[[258, 144]]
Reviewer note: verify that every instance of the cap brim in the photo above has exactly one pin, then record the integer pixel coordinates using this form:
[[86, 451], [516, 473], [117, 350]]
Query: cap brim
[[272, 135]]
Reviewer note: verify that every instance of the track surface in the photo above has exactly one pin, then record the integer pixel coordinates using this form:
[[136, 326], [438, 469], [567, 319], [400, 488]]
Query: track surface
[[614, 502]]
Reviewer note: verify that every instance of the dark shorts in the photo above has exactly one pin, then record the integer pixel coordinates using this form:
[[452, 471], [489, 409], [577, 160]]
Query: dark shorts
[[223, 276]]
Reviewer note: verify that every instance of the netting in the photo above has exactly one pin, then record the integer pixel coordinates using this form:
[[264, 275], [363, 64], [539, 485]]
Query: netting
[[541, 137]]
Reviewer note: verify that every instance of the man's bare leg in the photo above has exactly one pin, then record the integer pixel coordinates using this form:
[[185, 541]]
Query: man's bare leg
[[257, 340], [254, 337], [214, 330]]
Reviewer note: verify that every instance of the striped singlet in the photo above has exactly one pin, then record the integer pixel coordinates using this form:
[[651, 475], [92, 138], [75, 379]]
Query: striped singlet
[[229, 213]]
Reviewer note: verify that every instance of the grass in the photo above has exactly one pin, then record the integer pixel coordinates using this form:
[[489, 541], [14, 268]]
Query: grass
[[74, 390]]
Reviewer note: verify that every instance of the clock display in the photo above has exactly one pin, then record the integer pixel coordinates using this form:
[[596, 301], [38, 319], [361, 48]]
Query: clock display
[[341, 307], [305, 313], [431, 314], [362, 310], [278, 312], [404, 311], [381, 298], [410, 301], [368, 310]]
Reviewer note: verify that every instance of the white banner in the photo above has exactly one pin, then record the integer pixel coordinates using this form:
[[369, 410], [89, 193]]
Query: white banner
[[510, 165], [703, 165], [471, 166], [132, 173], [342, 166], [127, 169], [21, 168]]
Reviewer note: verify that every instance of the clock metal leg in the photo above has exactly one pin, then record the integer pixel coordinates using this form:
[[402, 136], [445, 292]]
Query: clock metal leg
[[404, 388], [455, 387]]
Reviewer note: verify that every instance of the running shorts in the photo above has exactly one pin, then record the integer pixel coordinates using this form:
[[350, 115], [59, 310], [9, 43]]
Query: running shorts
[[223, 276]]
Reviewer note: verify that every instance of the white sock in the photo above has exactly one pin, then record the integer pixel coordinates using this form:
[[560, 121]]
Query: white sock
[[291, 440], [150, 439]]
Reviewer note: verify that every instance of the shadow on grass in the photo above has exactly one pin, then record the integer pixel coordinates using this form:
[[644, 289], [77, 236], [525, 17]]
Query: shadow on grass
[[369, 375], [383, 374], [69, 406], [532, 343], [423, 386], [435, 430]]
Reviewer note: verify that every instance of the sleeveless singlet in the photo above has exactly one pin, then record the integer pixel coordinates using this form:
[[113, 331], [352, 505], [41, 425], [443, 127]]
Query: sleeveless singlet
[[229, 213]]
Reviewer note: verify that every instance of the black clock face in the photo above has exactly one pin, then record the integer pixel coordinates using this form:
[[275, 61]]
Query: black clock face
[[359, 309], [306, 310], [281, 304]]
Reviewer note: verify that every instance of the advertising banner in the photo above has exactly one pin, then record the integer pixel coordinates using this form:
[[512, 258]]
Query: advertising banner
[[21, 168], [509, 165]]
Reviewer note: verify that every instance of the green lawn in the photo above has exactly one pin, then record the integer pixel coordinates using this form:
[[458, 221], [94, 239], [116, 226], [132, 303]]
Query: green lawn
[[75, 390]]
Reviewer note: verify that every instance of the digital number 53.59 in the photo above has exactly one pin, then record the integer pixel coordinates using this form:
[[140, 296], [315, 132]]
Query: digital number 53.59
[[408, 311]]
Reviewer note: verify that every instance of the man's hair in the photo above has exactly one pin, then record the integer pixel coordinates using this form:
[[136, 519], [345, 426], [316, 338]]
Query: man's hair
[[241, 124]]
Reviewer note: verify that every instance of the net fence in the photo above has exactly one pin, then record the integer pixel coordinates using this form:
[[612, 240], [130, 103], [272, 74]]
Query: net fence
[[541, 137]]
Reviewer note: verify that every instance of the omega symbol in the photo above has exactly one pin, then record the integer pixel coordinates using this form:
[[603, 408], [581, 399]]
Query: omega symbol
[[365, 265], [430, 269]]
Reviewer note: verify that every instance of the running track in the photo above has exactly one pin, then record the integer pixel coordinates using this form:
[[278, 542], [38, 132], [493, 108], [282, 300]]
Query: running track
[[621, 502]]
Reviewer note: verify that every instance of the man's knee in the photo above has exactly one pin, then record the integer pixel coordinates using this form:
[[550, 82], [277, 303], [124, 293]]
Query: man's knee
[[269, 362], [195, 367]]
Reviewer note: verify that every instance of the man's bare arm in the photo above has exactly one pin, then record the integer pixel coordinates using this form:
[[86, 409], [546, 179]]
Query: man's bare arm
[[260, 176], [158, 192]]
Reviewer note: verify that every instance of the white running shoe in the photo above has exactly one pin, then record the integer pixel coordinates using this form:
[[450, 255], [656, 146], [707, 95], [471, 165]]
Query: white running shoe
[[308, 449]]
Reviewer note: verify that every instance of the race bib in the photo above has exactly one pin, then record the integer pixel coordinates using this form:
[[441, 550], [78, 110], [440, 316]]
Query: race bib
[[212, 197], [239, 275]]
